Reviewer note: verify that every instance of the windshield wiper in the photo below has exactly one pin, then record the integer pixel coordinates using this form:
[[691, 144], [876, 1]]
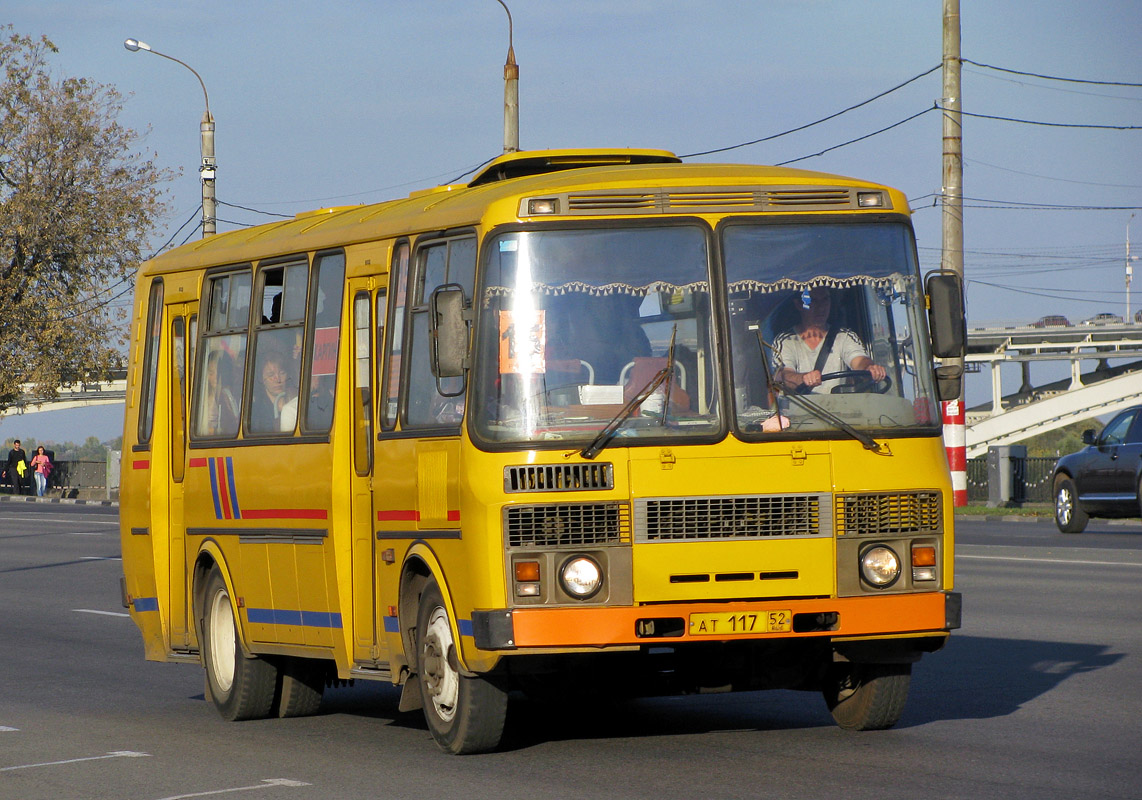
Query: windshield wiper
[[611, 428], [774, 388]]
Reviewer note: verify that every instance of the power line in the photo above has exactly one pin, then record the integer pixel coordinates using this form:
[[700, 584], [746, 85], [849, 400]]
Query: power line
[[1047, 124], [1048, 77], [254, 210], [817, 122], [858, 139]]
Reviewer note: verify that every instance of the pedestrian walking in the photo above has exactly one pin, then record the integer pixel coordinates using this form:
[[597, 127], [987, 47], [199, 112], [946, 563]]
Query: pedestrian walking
[[17, 470], [42, 465]]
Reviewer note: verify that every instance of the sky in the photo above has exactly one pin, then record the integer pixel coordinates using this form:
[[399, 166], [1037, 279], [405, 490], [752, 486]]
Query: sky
[[349, 102]]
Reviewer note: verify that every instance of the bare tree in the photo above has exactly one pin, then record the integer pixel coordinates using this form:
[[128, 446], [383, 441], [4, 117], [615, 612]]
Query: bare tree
[[78, 204]]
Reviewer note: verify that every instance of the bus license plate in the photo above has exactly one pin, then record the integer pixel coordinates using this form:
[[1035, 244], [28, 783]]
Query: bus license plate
[[727, 624]]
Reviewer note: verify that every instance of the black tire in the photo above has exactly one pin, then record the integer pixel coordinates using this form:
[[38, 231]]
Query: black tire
[[301, 686], [1069, 517], [867, 697], [465, 714], [241, 686]]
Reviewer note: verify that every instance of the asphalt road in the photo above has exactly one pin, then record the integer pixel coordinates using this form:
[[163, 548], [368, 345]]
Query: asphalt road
[[1038, 696]]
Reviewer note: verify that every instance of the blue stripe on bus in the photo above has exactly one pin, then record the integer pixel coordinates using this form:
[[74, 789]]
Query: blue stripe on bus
[[146, 603], [233, 491], [392, 625], [214, 488], [465, 626], [281, 616]]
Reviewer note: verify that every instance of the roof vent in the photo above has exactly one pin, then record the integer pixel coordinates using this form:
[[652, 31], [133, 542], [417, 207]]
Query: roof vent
[[541, 162]]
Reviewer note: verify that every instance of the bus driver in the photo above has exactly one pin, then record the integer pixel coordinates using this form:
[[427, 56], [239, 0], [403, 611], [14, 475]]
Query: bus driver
[[813, 348]]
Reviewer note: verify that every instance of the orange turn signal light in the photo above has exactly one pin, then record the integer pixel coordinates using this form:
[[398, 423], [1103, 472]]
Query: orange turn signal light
[[527, 571], [923, 556]]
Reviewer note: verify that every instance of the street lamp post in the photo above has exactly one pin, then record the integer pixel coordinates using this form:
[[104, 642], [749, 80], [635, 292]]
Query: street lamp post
[[1129, 269], [206, 129]]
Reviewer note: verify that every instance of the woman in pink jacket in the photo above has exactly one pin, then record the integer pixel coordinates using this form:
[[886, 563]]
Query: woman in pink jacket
[[42, 465]]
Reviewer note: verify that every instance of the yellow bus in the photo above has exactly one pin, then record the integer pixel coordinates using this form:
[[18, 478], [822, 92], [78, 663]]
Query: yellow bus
[[597, 421]]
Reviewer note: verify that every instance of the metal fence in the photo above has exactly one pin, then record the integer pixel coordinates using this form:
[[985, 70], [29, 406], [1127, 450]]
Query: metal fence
[[1031, 480], [75, 478]]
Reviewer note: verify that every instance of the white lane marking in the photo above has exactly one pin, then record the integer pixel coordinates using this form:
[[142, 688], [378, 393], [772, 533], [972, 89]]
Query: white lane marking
[[101, 558], [115, 754], [103, 613], [6, 729], [1051, 560], [265, 784]]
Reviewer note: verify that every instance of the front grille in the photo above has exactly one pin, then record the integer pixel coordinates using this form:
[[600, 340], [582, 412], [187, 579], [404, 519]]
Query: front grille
[[559, 477], [886, 513], [567, 524], [707, 199], [752, 517]]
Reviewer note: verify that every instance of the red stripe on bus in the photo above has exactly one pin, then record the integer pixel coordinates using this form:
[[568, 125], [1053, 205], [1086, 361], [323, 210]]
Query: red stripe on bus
[[400, 515], [198, 462], [142, 464], [285, 513], [454, 515], [223, 489]]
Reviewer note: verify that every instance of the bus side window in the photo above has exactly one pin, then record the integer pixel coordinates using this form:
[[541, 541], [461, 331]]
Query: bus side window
[[390, 383], [217, 381], [431, 404], [326, 290], [150, 362], [363, 380], [277, 348]]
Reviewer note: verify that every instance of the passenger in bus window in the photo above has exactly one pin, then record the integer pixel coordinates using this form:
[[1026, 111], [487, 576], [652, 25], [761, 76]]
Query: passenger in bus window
[[219, 408], [320, 413], [272, 395], [813, 348]]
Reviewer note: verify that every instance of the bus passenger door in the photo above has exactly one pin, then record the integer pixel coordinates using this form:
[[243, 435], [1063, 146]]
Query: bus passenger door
[[369, 648], [183, 320]]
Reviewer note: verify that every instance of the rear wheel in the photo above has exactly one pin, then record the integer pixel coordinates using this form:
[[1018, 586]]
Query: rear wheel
[[867, 697], [302, 686], [241, 686], [1068, 516], [465, 714]]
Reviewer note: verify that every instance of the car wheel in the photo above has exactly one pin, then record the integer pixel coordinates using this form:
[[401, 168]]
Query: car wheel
[[240, 685], [464, 713], [1069, 517], [867, 697]]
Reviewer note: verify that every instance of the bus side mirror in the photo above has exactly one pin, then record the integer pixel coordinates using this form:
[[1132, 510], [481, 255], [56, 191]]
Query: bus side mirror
[[448, 332], [946, 315], [949, 381]]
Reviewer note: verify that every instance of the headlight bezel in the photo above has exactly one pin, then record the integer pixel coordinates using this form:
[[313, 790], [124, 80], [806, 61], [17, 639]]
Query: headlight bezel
[[571, 589], [868, 570]]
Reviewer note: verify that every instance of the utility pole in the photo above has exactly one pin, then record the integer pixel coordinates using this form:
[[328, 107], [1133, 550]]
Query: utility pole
[[952, 257], [1129, 271]]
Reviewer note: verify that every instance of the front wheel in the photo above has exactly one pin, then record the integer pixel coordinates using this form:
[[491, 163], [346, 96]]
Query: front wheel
[[1068, 516], [465, 714], [867, 697], [241, 686]]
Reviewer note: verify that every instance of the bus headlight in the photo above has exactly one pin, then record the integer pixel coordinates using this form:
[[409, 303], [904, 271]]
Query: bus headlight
[[879, 566], [581, 577]]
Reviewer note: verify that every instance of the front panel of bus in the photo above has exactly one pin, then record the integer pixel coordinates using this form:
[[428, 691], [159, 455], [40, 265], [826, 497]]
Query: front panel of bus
[[645, 465]]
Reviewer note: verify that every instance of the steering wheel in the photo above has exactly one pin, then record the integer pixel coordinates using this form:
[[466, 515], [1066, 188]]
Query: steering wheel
[[864, 381]]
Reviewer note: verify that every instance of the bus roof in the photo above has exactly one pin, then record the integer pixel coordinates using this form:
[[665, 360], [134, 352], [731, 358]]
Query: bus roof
[[502, 183]]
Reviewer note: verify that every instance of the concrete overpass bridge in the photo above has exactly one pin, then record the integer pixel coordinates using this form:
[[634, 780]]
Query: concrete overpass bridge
[[1102, 389], [79, 394]]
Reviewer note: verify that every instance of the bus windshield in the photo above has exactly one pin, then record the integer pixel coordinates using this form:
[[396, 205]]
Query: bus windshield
[[835, 308], [574, 324]]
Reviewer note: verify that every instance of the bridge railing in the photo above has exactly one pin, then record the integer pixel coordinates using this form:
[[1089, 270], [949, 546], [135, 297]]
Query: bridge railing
[[80, 478], [1030, 479]]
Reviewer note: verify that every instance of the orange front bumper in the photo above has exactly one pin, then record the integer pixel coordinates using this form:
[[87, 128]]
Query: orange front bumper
[[882, 615]]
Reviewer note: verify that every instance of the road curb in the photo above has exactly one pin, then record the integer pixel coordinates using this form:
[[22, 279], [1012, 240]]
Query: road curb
[[69, 501]]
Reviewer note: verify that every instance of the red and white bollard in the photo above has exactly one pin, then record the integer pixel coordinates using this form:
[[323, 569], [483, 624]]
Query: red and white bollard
[[955, 442]]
